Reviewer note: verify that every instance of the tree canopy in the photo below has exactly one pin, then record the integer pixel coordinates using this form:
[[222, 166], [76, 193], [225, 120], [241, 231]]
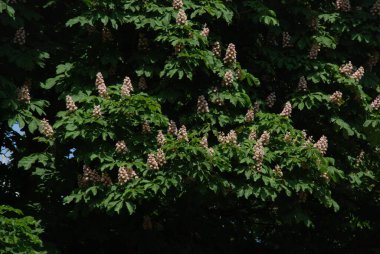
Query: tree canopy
[[185, 126]]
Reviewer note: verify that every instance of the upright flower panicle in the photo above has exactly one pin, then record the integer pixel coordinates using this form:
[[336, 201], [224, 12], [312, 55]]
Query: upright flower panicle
[[250, 115], [231, 54], [271, 99], [278, 171], [151, 162], [252, 135], [347, 69], [20, 36], [205, 31], [23, 93], [70, 104], [336, 97], [160, 138], [142, 84], [177, 4], [216, 50], [202, 105], [101, 85], [125, 175], [146, 127], [322, 145], [97, 111], [376, 103], [358, 74], [127, 87], [264, 138], [46, 128], [228, 78], [287, 111], [302, 84], [181, 17], [343, 5], [314, 50], [172, 128], [375, 10], [286, 40], [160, 157], [121, 147], [258, 155], [182, 133]]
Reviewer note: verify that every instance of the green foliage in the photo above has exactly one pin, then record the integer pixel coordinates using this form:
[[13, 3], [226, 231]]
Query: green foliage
[[19, 234], [223, 191]]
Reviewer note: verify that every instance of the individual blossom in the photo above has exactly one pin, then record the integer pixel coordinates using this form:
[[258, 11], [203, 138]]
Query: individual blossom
[[216, 50], [101, 86], [97, 111], [264, 138], [121, 147], [152, 163], [105, 179], [106, 34], [314, 50], [278, 171], [358, 74], [146, 127], [142, 84], [302, 84], [230, 57], [250, 116], [336, 97], [252, 135], [376, 103], [177, 4], [287, 111], [23, 93], [46, 128], [19, 37], [127, 87], [125, 174], [172, 128], [258, 155], [343, 5], [202, 105], [286, 40], [228, 78], [347, 69], [271, 99], [160, 157], [375, 10], [160, 138], [143, 43], [205, 31], [322, 145], [182, 133], [70, 104], [181, 17]]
